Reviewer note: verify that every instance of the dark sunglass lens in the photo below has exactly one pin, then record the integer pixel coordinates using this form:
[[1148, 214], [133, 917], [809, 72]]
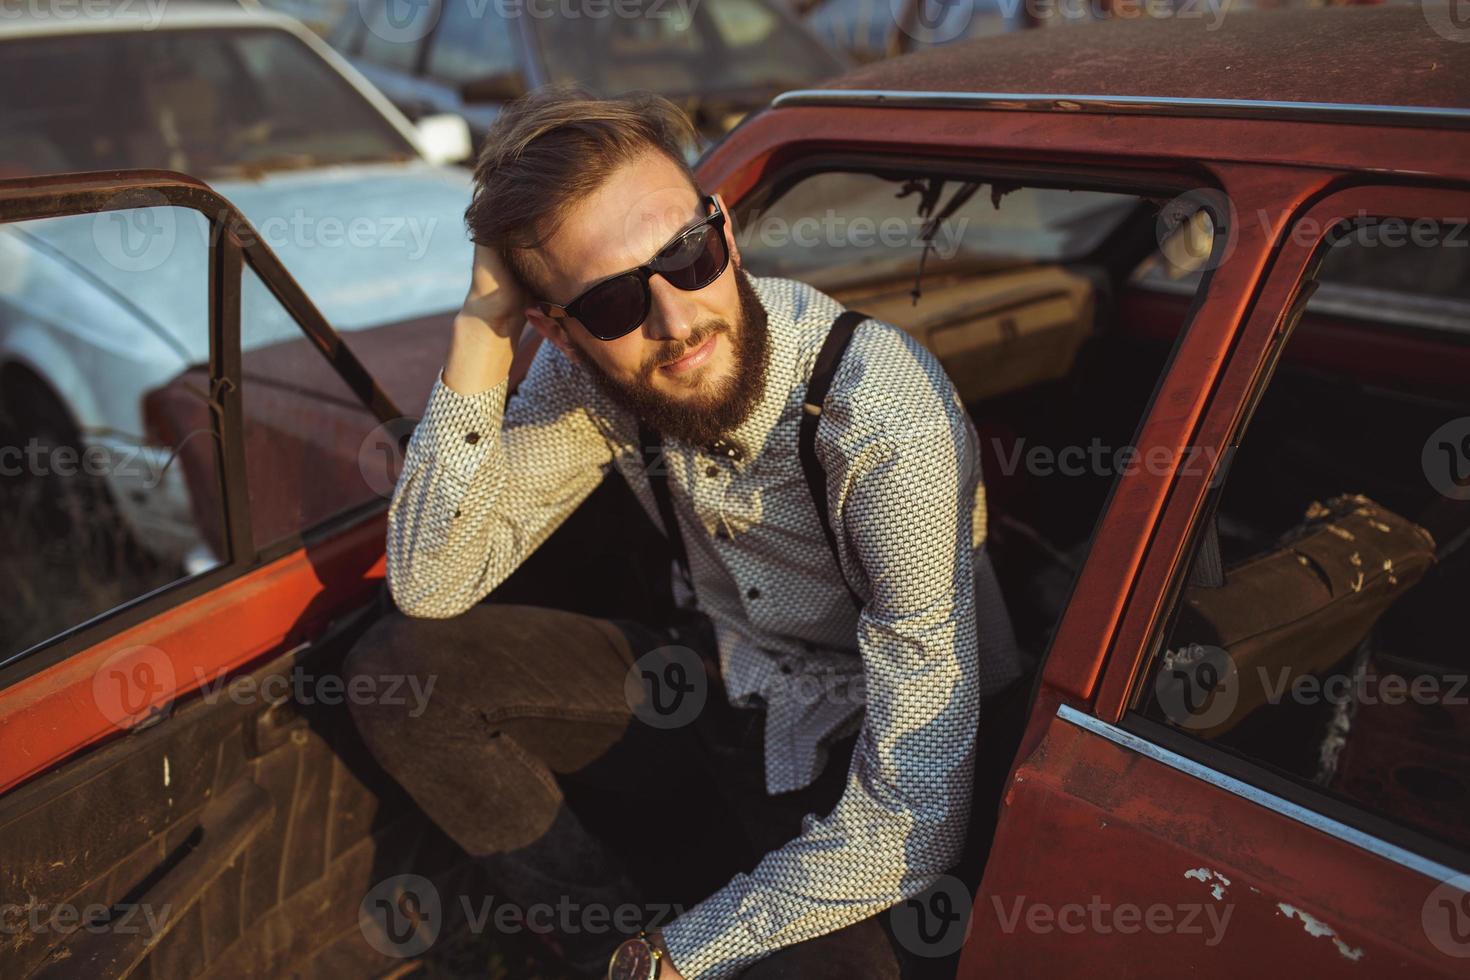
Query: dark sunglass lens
[[695, 260], [615, 307]]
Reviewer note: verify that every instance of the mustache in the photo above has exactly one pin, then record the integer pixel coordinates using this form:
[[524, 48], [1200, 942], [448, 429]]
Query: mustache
[[675, 349]]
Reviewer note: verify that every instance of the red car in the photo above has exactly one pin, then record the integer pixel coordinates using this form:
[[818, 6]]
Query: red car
[[1207, 295]]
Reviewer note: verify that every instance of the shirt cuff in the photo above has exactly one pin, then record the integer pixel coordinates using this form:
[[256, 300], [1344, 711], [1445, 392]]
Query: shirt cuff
[[459, 432], [718, 937]]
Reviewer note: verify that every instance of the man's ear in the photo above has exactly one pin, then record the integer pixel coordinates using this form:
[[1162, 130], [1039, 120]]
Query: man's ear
[[554, 329], [730, 237]]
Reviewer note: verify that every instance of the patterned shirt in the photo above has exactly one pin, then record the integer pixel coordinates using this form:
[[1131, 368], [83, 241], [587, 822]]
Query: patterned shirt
[[485, 482]]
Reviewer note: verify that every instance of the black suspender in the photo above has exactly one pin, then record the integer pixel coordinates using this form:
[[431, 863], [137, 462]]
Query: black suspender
[[650, 442]]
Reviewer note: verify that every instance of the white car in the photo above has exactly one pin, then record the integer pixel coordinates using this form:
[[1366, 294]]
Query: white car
[[363, 208]]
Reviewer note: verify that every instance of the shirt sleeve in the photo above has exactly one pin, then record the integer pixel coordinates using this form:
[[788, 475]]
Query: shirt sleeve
[[902, 489], [485, 482]]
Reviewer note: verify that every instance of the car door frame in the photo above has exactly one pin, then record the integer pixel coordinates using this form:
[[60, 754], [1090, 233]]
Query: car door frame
[[163, 644]]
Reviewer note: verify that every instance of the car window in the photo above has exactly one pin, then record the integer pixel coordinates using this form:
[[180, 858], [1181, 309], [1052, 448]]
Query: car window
[[1320, 632], [1407, 273], [395, 32], [838, 226], [212, 103], [312, 450], [471, 41], [108, 465], [682, 49]]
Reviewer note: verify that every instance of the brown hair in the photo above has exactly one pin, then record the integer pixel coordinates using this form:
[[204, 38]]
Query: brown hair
[[551, 148]]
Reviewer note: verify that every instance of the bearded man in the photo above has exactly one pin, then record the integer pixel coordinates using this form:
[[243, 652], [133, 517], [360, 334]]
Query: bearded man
[[791, 750]]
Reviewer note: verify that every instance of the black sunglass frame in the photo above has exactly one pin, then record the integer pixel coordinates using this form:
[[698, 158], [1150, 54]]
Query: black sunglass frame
[[576, 307]]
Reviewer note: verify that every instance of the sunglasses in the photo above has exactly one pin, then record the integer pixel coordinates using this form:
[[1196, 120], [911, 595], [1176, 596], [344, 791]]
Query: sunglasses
[[613, 307]]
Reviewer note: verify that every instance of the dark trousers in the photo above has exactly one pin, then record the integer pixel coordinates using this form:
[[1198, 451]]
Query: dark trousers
[[555, 748]]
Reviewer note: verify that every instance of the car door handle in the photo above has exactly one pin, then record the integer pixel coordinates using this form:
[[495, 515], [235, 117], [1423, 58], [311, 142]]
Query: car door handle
[[227, 825]]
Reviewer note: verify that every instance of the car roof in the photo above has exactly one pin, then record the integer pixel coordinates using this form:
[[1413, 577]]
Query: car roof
[[1359, 56], [61, 17]]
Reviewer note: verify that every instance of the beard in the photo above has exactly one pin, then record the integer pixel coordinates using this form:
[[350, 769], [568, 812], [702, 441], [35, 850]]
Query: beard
[[703, 418]]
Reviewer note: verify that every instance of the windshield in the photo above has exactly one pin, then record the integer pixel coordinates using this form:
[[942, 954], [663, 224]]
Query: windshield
[[212, 103], [685, 48]]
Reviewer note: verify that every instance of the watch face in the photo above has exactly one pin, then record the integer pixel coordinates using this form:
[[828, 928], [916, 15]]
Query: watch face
[[632, 961]]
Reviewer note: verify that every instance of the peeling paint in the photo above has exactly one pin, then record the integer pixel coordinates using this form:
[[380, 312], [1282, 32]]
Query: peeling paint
[[1206, 875], [1316, 927]]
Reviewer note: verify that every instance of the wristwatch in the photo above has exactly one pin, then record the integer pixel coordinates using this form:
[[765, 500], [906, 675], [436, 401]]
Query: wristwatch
[[637, 958]]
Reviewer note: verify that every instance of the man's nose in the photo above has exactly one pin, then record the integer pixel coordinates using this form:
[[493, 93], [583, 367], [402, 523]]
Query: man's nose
[[671, 312]]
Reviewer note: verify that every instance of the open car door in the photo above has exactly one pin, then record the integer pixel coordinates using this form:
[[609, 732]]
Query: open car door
[[181, 793]]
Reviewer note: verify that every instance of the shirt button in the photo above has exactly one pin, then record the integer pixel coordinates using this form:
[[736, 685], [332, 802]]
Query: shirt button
[[472, 438], [712, 471], [752, 593]]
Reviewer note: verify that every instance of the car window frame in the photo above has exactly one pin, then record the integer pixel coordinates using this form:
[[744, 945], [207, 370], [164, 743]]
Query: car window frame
[[1283, 290], [234, 244]]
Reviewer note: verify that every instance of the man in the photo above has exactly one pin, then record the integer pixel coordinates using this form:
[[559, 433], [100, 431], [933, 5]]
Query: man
[[827, 774]]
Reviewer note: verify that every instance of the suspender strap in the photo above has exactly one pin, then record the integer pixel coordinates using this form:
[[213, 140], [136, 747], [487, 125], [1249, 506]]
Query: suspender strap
[[651, 443], [838, 337]]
